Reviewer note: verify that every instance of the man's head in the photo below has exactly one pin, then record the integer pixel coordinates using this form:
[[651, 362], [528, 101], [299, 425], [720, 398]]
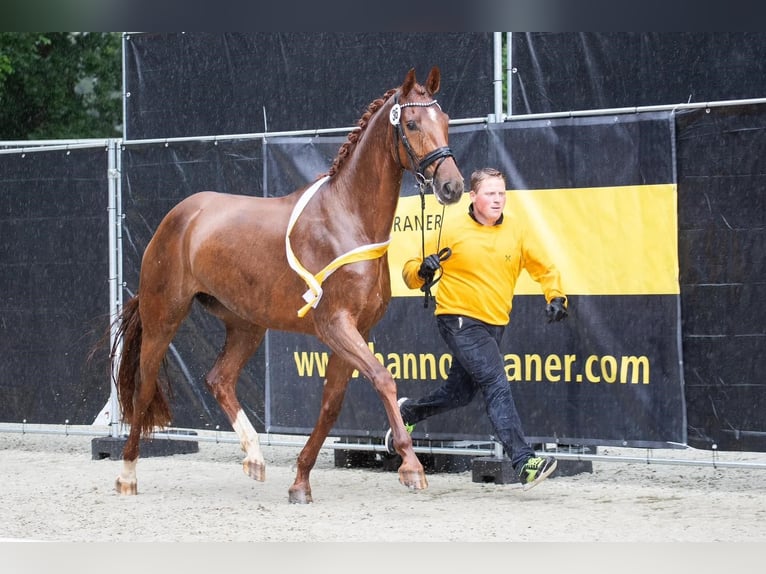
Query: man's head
[[487, 195]]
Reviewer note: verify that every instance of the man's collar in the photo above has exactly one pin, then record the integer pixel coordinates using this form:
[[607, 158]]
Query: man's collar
[[473, 216]]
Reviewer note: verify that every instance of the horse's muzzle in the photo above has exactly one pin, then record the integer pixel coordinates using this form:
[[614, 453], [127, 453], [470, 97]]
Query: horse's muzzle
[[449, 191]]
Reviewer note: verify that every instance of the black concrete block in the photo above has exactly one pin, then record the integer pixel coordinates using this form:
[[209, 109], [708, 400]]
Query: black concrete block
[[432, 462], [355, 459], [572, 467], [493, 469], [111, 447]]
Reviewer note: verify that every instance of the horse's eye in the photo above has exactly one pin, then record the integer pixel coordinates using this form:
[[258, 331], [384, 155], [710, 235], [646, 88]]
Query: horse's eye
[[411, 125]]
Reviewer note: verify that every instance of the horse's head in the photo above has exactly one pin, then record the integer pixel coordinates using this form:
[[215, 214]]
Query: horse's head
[[421, 136]]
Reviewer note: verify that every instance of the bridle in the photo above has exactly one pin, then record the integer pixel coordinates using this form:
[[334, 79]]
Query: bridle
[[418, 168]]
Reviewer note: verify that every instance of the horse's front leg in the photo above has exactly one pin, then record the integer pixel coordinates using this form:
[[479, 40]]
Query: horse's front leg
[[349, 344], [411, 473], [338, 375]]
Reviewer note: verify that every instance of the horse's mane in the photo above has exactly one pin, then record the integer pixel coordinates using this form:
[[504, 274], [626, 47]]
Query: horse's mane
[[353, 137]]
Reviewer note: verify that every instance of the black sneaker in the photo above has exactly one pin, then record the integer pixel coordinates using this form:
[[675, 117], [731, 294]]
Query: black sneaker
[[389, 440], [535, 470]]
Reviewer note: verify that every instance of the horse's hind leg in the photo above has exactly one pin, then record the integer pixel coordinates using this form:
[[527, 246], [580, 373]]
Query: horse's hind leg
[[242, 340], [338, 375], [155, 338], [151, 359]]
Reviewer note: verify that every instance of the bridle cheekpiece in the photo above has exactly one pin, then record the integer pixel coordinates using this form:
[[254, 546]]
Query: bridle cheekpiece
[[418, 167]]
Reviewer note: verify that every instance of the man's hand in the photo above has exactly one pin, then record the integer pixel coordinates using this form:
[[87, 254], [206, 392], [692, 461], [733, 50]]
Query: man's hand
[[428, 267], [556, 310]]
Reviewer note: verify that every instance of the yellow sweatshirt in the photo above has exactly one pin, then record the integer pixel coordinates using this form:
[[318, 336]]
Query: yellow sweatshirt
[[480, 276]]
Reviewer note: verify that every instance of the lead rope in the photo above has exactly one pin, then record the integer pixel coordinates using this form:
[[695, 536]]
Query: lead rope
[[443, 254]]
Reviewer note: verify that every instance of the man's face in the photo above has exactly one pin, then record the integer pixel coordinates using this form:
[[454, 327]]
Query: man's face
[[489, 200]]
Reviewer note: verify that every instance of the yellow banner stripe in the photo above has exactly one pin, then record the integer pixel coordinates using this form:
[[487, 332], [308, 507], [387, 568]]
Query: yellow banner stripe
[[604, 240]]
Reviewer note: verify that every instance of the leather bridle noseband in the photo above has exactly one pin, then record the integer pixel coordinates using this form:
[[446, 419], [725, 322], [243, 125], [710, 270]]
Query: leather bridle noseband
[[417, 167]]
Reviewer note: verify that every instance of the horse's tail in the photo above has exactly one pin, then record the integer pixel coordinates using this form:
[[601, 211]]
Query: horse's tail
[[129, 332]]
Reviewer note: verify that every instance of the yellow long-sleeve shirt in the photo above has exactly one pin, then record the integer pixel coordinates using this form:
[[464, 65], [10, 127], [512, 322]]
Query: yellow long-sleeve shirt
[[480, 276]]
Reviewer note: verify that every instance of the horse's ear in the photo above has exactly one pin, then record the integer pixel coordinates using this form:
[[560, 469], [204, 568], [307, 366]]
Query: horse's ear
[[409, 82], [434, 79]]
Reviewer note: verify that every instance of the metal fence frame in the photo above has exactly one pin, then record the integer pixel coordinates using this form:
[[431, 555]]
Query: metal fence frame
[[115, 427]]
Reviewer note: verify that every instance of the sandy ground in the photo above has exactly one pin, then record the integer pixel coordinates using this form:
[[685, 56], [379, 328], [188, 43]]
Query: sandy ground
[[52, 490]]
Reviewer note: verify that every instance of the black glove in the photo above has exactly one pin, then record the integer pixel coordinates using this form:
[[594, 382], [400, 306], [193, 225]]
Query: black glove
[[428, 267], [556, 310]]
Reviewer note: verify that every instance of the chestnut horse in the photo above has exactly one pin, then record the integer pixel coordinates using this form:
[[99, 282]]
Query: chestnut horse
[[249, 261]]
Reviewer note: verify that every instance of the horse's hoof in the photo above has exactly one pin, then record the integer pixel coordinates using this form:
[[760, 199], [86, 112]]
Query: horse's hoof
[[300, 496], [255, 470], [413, 479], [129, 487]]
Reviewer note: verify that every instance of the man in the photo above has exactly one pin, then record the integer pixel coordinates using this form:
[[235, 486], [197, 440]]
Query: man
[[473, 304]]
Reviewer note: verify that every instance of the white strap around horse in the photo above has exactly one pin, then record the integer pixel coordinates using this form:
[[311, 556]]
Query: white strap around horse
[[361, 253]]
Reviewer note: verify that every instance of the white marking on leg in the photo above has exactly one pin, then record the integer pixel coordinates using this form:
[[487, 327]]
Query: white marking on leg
[[128, 474], [126, 483], [248, 438]]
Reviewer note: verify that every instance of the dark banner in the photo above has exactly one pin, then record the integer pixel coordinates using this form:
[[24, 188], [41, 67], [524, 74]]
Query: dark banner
[[602, 197], [54, 270], [564, 71], [181, 84], [722, 242], [600, 193], [155, 178]]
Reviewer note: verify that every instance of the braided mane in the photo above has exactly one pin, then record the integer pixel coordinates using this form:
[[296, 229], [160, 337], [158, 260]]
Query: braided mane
[[348, 147], [353, 137]]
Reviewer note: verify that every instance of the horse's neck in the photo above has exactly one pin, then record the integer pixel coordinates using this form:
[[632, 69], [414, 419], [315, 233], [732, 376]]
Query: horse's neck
[[372, 180]]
